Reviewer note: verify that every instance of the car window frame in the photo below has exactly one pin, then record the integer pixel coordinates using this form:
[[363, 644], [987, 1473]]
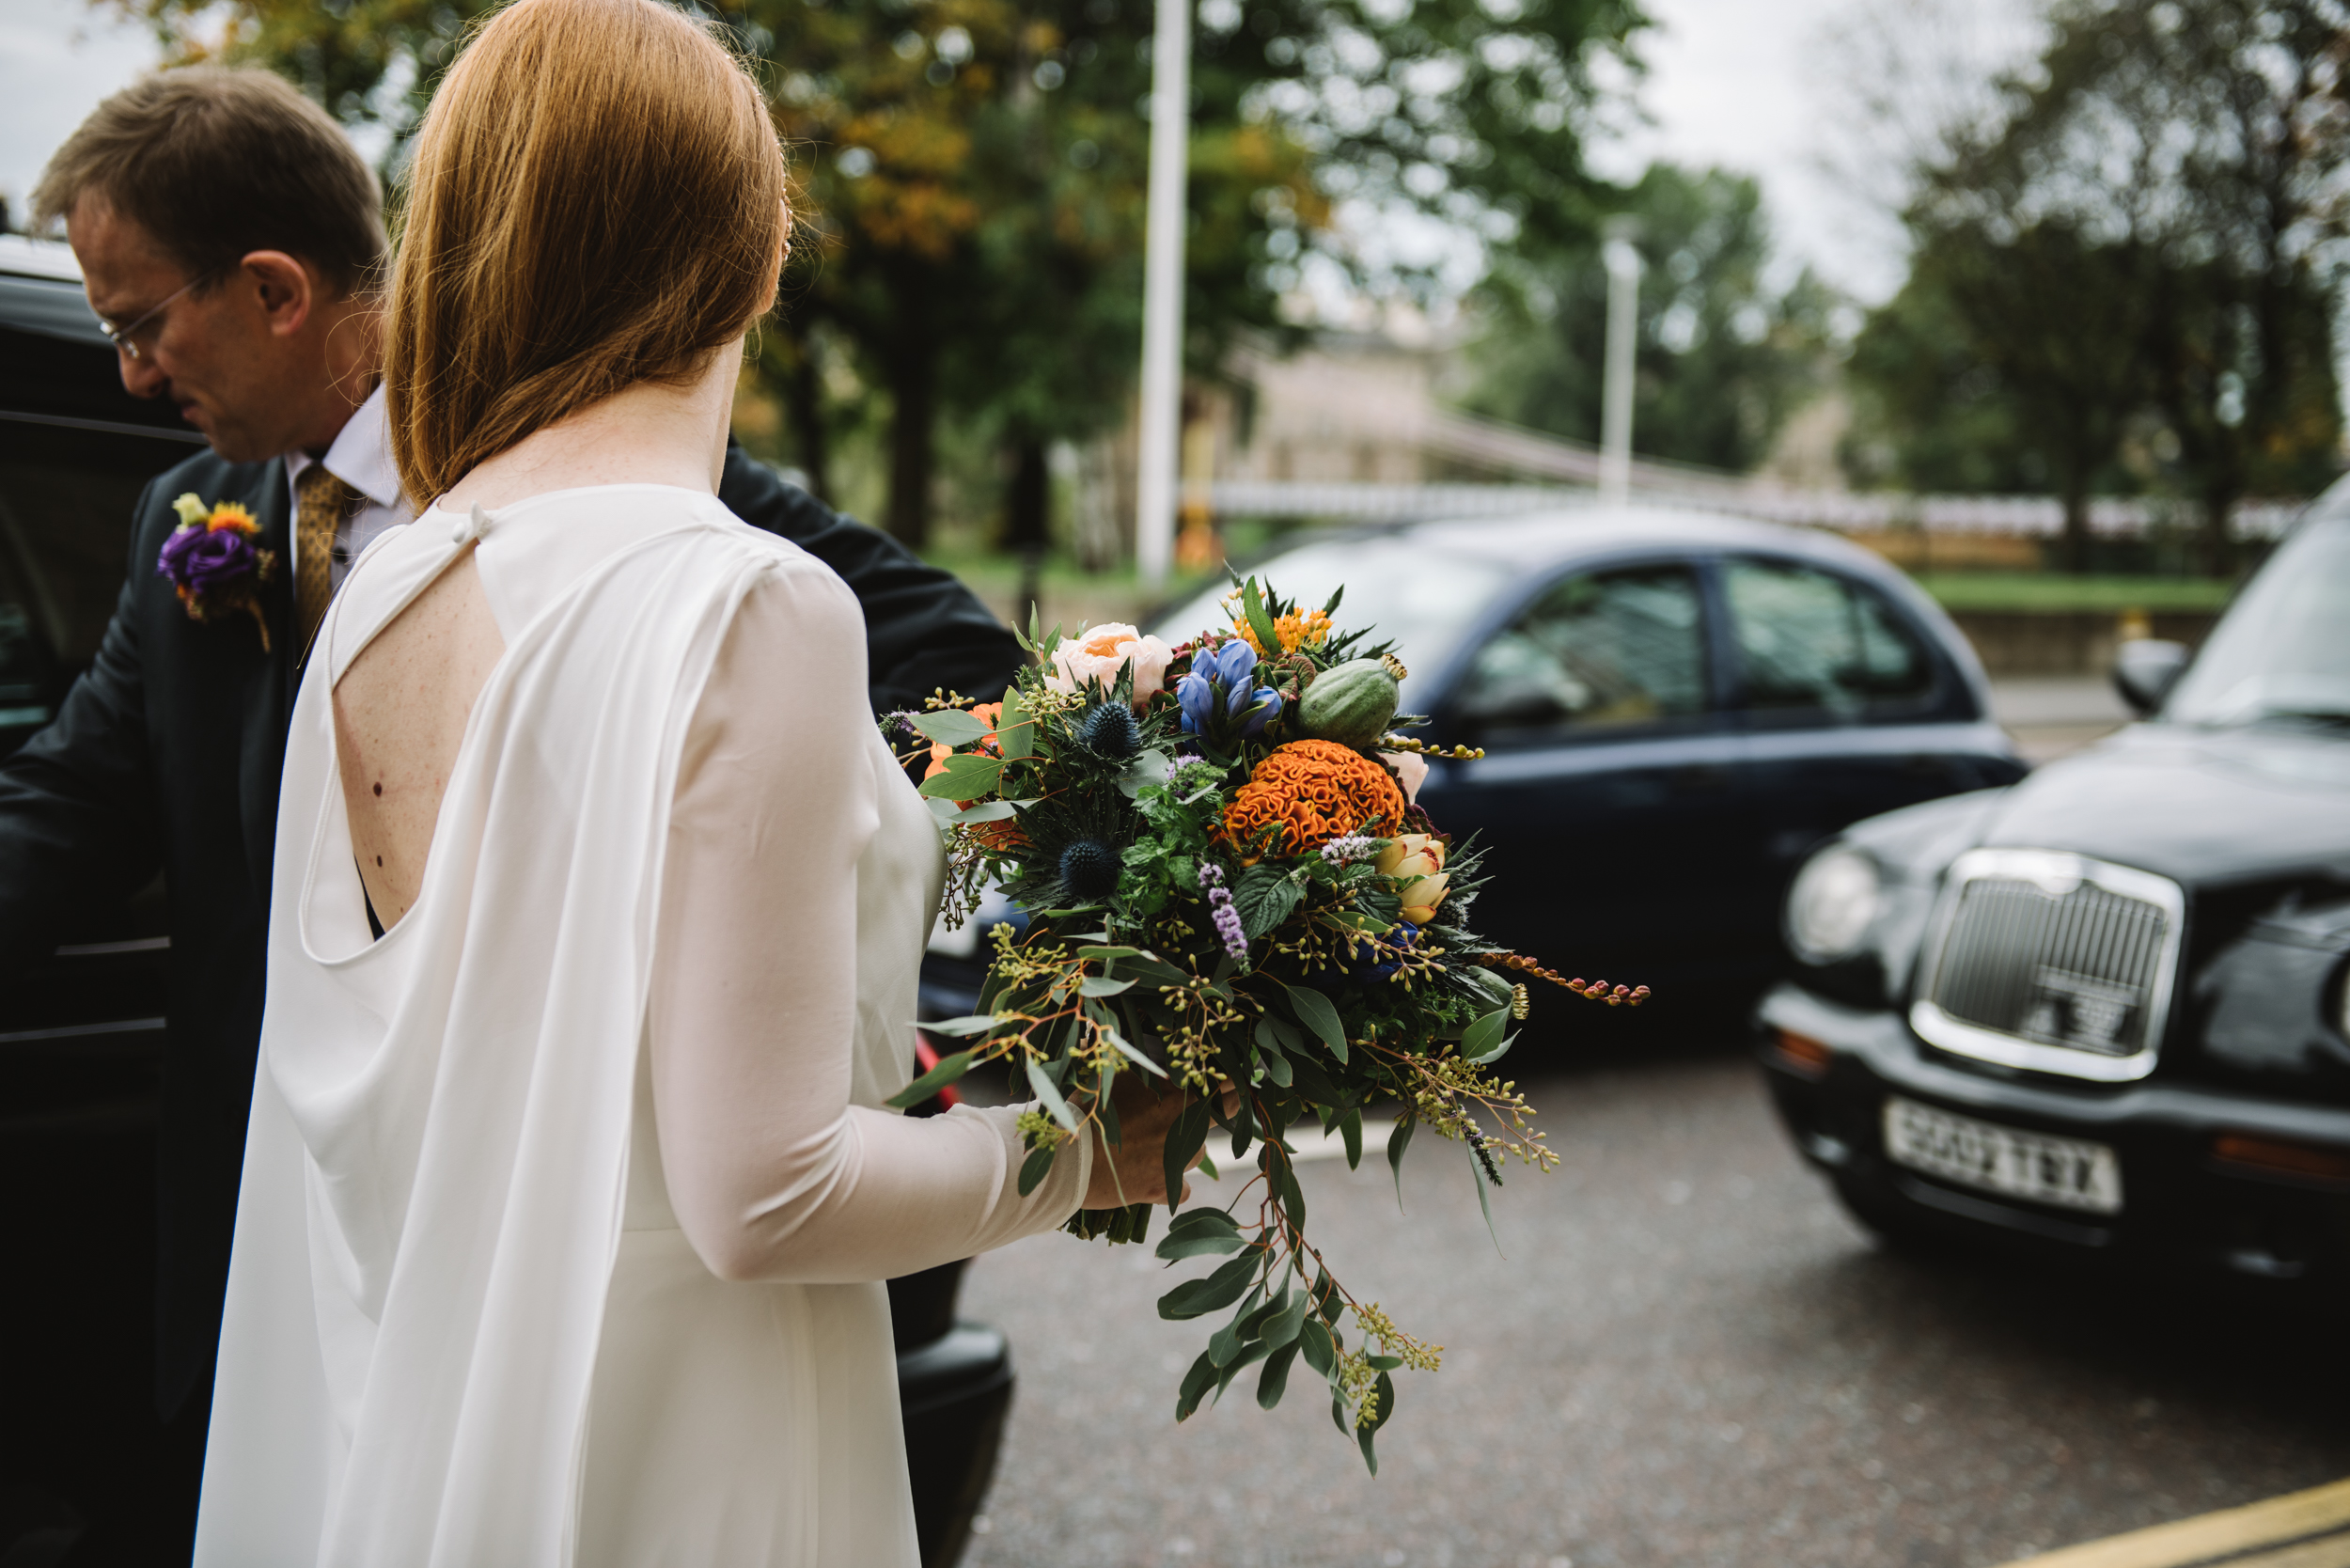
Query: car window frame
[[1715, 719], [1932, 707]]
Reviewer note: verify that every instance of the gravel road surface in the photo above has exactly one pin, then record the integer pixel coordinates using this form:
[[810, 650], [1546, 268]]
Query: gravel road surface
[[1688, 1357]]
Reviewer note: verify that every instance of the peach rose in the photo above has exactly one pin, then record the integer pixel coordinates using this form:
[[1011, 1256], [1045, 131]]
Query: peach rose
[[1102, 652], [1411, 771]]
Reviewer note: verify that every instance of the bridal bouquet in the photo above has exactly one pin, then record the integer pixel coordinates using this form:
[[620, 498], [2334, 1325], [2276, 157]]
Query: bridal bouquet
[[1230, 886]]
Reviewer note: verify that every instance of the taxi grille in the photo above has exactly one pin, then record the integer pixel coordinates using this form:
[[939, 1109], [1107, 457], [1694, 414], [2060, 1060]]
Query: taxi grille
[[2053, 962]]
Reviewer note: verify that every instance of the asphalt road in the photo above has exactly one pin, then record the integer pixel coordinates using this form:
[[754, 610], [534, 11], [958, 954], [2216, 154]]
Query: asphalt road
[[1689, 1356]]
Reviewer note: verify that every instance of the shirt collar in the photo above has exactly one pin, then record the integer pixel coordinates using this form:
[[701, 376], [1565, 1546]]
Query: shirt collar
[[361, 455]]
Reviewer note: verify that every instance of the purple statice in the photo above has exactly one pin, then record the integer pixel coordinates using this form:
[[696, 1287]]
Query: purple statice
[[1350, 847], [1220, 909]]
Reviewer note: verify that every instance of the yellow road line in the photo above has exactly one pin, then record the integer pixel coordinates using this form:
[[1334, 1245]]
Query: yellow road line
[[2300, 1530]]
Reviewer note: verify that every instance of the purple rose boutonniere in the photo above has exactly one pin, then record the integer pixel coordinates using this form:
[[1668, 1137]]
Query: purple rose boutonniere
[[213, 564]]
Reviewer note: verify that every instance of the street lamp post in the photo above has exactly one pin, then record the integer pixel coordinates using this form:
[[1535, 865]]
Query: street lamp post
[[1163, 293], [1623, 322]]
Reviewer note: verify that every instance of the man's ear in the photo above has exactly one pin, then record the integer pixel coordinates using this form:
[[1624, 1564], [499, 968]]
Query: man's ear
[[282, 285]]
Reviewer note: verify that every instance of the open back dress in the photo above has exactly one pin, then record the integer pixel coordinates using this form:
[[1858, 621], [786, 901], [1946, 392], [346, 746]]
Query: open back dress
[[496, 1298]]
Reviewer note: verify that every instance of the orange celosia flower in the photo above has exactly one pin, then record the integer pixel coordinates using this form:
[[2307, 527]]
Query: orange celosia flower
[[1317, 790], [986, 713]]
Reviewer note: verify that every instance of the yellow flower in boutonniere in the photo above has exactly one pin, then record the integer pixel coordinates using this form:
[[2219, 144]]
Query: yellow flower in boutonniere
[[213, 563]]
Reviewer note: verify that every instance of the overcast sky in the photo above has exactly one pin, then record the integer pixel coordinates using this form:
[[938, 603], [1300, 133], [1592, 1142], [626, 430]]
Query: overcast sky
[[1744, 83]]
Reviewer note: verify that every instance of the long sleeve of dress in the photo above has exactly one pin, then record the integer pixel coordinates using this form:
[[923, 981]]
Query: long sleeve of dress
[[771, 1171]]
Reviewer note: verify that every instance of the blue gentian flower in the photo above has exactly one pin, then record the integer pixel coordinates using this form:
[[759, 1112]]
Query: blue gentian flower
[[1268, 708], [1197, 697]]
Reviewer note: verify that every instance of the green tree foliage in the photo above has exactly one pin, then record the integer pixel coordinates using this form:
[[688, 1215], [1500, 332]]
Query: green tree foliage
[[2148, 235], [971, 173], [1722, 357]]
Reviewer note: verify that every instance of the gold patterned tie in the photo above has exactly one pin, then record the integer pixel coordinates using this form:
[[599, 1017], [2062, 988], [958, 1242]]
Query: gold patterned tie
[[321, 501]]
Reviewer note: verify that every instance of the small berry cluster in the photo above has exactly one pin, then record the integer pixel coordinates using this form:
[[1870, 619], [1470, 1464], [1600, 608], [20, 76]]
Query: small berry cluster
[[1220, 909]]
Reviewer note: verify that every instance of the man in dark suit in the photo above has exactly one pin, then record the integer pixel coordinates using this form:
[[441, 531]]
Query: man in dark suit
[[228, 236]]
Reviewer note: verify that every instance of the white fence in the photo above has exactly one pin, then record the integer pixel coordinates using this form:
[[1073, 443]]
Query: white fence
[[1846, 511]]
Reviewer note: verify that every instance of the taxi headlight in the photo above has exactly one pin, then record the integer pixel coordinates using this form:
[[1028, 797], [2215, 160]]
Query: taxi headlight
[[1834, 897]]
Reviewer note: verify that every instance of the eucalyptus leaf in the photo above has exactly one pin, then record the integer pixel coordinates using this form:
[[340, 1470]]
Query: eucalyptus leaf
[[1197, 1297], [1051, 1096], [1397, 1142], [951, 726], [1315, 1344], [1197, 1382], [1351, 1129], [1247, 1357], [1184, 1140], [1118, 1041], [1314, 1011], [1204, 1245], [1483, 1035], [1034, 1168], [1224, 1344], [1284, 1325], [967, 777], [1095, 985], [985, 811], [1151, 967], [1273, 1380], [947, 1071], [1489, 1058], [970, 1023], [1015, 727]]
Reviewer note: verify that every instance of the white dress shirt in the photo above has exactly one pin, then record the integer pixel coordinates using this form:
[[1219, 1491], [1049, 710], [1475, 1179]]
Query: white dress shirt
[[361, 457]]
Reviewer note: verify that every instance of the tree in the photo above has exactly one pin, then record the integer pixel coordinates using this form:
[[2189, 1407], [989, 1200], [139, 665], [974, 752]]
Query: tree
[[972, 171], [2152, 226], [1722, 357]]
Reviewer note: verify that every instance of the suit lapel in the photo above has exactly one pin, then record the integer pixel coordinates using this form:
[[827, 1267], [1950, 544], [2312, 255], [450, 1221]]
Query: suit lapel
[[268, 698]]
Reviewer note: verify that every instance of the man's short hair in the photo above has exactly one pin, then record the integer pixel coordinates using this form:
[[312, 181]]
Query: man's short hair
[[214, 163]]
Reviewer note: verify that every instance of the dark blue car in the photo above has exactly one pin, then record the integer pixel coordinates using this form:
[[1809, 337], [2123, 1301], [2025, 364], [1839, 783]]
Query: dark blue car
[[1676, 708]]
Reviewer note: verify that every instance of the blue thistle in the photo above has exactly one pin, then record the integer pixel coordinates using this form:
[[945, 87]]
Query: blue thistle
[[1108, 729], [1089, 869]]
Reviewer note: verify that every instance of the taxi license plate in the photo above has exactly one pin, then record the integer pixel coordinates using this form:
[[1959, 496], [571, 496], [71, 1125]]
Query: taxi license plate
[[2068, 1173]]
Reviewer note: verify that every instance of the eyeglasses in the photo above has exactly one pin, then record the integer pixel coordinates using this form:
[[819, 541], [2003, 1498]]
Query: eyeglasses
[[126, 339]]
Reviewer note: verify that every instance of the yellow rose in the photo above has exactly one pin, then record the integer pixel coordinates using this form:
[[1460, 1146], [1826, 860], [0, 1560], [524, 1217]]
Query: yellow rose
[[1415, 860]]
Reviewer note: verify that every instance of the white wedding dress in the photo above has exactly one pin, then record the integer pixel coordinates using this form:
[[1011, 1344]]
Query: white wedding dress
[[565, 1203]]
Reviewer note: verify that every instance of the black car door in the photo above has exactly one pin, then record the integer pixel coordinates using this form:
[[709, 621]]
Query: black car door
[[1849, 706], [1609, 793]]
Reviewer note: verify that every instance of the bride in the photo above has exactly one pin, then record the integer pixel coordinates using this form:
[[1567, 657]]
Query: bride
[[598, 903]]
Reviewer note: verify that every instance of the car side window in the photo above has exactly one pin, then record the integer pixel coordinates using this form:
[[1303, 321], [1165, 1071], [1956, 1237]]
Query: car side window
[[1597, 651], [1815, 639]]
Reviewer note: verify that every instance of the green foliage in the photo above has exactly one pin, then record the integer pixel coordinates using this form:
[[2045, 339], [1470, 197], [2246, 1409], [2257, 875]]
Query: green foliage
[[2126, 273], [1722, 358]]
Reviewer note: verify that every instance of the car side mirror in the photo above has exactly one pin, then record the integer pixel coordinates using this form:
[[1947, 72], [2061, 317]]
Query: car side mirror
[[2145, 670]]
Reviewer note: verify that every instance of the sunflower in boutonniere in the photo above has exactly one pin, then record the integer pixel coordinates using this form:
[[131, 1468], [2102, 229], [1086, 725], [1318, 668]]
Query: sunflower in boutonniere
[[213, 564]]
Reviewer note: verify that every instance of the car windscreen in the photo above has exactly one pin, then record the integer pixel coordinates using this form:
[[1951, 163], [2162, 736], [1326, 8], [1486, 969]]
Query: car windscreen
[[1422, 599], [2283, 651]]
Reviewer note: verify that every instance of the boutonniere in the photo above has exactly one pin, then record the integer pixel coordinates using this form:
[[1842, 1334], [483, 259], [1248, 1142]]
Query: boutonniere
[[213, 564]]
